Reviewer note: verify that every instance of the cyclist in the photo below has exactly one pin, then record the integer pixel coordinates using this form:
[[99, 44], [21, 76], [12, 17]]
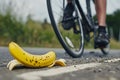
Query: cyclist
[[102, 38]]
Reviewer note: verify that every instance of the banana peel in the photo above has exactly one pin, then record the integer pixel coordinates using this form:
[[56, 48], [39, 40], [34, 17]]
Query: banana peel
[[23, 58], [29, 59], [14, 63]]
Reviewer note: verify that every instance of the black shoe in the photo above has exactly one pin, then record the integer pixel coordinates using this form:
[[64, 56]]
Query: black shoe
[[68, 19], [102, 40]]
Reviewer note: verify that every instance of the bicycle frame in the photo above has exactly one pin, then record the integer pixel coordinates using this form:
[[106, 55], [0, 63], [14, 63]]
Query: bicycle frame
[[86, 25], [89, 22], [89, 25]]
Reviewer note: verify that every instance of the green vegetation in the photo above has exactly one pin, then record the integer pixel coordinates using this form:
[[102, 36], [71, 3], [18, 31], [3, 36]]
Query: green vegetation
[[29, 34], [113, 21], [41, 34]]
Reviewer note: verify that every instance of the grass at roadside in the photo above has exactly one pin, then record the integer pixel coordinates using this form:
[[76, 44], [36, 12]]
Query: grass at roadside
[[34, 34], [114, 44]]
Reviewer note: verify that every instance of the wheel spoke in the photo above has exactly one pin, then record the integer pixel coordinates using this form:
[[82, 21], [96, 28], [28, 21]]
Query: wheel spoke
[[72, 40]]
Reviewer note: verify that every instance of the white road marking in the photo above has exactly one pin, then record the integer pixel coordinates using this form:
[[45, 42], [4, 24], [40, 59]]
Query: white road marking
[[36, 75], [113, 60]]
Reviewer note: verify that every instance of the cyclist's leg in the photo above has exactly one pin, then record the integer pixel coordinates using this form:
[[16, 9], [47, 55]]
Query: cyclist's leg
[[68, 22], [101, 11], [102, 37]]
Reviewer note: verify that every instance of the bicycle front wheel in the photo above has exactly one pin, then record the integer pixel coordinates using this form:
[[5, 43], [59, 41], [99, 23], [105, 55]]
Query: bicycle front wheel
[[72, 42]]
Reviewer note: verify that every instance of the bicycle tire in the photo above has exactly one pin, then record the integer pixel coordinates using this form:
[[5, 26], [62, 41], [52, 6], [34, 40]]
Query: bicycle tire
[[74, 51], [106, 49]]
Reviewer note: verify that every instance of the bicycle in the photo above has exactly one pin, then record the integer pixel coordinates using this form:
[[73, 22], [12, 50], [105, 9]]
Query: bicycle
[[73, 40]]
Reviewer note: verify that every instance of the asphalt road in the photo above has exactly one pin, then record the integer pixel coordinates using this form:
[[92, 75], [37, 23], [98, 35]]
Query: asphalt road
[[76, 69]]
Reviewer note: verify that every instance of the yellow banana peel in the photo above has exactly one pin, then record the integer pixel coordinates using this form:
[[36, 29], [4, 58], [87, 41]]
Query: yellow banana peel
[[23, 58]]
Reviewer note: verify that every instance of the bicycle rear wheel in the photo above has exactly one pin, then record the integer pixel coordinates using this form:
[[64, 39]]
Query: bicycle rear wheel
[[106, 50], [90, 6], [72, 42]]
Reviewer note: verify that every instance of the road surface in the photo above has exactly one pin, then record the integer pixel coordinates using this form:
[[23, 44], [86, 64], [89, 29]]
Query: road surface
[[91, 66]]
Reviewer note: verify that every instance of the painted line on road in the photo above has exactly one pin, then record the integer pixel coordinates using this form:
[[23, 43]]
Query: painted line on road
[[37, 75], [113, 60]]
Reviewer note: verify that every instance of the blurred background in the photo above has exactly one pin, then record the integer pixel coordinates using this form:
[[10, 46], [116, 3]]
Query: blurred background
[[27, 23]]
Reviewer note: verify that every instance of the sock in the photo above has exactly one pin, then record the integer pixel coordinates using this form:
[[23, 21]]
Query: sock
[[102, 29]]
